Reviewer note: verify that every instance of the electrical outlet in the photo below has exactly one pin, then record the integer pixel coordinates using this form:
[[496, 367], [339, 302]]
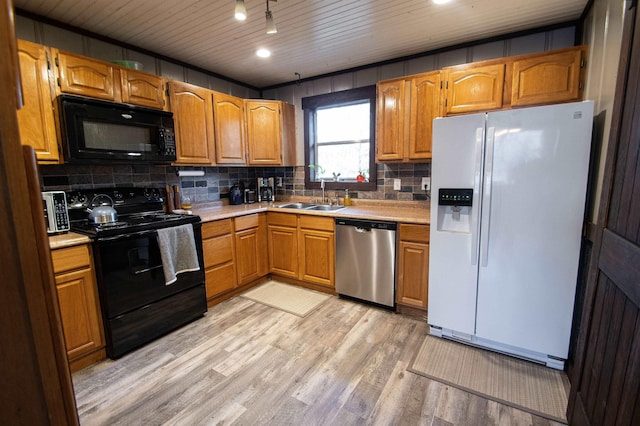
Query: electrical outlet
[[279, 182], [426, 183], [397, 185]]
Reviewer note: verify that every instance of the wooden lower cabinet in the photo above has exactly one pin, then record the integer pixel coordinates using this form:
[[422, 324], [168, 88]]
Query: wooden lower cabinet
[[283, 244], [251, 247], [316, 250], [79, 305], [302, 247], [219, 257], [235, 254], [413, 269]]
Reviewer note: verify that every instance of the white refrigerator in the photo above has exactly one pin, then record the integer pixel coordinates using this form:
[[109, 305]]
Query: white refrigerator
[[508, 197]]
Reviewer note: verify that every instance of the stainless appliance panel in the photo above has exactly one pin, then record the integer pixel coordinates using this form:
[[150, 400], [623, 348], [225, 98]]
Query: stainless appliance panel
[[365, 260]]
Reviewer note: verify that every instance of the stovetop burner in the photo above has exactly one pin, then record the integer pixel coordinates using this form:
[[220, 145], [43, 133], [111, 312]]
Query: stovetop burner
[[138, 209]]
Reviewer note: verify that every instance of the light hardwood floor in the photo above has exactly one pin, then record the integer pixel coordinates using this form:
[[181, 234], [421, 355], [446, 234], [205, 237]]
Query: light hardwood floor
[[248, 364]]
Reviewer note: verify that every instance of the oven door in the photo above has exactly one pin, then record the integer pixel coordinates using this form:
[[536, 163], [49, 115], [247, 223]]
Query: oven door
[[137, 305]]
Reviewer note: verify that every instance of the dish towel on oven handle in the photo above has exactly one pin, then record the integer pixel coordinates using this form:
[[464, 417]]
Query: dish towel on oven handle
[[178, 251]]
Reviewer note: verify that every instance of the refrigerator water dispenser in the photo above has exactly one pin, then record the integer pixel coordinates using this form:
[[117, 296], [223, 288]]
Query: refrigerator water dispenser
[[454, 209]]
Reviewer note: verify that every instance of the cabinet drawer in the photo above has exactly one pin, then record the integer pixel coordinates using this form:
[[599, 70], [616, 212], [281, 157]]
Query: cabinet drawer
[[216, 228], [220, 279], [217, 250], [315, 222], [68, 259], [282, 219], [417, 233], [246, 222]]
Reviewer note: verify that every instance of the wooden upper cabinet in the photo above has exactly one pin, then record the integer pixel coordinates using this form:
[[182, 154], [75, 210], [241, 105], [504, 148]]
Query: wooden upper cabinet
[[548, 78], [87, 77], [264, 132], [425, 106], [404, 117], [228, 113], [139, 88], [473, 88], [390, 120], [192, 108], [35, 118]]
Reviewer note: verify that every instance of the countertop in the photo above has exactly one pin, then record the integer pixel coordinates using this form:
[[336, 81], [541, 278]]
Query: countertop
[[415, 213], [68, 239]]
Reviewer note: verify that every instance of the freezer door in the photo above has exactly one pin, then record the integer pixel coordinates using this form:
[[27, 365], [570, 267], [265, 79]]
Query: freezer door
[[533, 205], [453, 255]]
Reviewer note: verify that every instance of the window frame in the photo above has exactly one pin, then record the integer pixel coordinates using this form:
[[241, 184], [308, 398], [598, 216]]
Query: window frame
[[310, 105]]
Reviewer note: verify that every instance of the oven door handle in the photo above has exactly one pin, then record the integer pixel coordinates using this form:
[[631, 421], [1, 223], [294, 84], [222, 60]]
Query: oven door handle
[[129, 235], [142, 271]]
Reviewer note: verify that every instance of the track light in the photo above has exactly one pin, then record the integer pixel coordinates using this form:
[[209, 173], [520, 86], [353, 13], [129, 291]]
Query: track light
[[271, 25], [241, 11]]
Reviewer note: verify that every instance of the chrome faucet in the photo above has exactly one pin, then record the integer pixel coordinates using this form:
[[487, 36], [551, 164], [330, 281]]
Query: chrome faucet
[[322, 186]]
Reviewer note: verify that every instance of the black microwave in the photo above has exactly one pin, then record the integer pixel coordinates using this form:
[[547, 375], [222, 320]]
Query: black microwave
[[94, 131]]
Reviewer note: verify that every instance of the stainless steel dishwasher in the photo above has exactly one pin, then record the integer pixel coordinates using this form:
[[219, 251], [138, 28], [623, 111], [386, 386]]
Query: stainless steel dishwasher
[[366, 260]]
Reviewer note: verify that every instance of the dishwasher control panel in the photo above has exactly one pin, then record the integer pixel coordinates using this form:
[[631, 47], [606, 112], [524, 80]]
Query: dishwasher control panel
[[368, 224]]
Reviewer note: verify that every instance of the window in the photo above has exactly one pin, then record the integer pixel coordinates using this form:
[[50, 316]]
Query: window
[[339, 132]]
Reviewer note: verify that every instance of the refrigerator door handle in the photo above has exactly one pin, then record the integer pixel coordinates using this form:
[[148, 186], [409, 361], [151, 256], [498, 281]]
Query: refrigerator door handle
[[475, 222], [486, 198]]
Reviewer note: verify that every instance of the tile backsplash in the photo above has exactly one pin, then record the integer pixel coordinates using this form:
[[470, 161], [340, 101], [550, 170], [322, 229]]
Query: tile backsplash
[[216, 182]]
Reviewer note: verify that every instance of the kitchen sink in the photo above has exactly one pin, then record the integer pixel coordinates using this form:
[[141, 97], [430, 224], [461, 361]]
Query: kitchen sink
[[309, 206], [296, 206], [325, 207]]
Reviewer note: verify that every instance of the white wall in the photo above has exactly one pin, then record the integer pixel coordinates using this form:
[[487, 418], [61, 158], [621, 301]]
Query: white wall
[[603, 33]]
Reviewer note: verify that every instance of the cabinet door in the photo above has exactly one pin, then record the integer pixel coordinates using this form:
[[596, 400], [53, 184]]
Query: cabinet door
[[413, 274], [390, 120], [143, 89], [79, 310], [193, 121], [228, 113], [247, 255], [264, 132], [425, 106], [283, 251], [35, 118], [83, 76], [474, 89], [220, 271], [316, 257], [547, 79]]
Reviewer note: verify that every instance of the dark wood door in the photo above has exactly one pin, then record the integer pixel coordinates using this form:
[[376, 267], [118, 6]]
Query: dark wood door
[[606, 382]]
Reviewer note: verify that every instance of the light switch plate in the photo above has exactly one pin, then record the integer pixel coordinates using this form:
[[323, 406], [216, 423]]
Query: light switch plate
[[426, 183], [397, 185]]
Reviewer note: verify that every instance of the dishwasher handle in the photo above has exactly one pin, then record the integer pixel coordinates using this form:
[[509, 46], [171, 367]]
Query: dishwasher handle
[[362, 230]]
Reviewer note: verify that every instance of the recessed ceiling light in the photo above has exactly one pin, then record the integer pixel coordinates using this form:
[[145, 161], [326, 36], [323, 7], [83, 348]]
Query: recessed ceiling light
[[441, 1], [263, 53]]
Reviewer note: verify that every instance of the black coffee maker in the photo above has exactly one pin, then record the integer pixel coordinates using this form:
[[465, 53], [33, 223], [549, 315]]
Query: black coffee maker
[[266, 189], [236, 194]]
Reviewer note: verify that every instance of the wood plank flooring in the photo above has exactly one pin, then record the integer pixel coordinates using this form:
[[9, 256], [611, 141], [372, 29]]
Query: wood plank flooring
[[248, 364]]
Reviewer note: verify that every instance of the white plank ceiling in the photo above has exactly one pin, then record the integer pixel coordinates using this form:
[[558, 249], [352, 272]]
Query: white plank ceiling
[[314, 36]]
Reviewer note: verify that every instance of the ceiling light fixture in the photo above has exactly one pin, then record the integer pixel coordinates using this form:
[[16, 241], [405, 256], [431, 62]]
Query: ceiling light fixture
[[263, 53], [271, 25], [241, 11]]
